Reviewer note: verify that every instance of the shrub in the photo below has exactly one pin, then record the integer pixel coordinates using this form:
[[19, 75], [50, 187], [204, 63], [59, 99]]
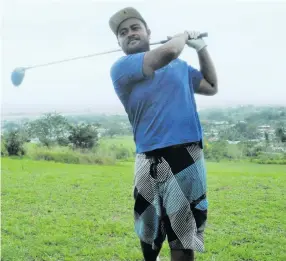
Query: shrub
[[83, 136], [68, 155], [265, 158], [13, 142]]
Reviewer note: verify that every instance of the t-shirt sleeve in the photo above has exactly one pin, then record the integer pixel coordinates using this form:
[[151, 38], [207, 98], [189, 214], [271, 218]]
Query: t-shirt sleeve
[[125, 73], [195, 77]]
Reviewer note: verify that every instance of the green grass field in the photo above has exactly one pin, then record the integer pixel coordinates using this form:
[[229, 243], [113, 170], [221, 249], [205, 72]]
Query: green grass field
[[53, 211], [124, 141]]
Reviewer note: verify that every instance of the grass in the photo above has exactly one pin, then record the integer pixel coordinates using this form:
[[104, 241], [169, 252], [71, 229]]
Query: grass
[[125, 141], [108, 151], [63, 212], [123, 146]]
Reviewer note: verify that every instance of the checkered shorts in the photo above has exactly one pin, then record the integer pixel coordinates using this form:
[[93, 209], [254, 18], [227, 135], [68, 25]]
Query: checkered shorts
[[170, 197]]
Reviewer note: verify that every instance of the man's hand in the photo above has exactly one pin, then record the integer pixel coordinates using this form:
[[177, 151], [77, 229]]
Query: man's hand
[[185, 35], [197, 43]]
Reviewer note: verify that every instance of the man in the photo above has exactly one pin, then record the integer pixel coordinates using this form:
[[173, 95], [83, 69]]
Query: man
[[157, 90]]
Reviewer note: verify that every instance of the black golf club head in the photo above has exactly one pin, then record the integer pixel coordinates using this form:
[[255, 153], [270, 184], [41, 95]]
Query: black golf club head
[[18, 75]]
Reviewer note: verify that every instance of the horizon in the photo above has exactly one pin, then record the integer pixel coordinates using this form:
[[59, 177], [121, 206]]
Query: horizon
[[37, 113]]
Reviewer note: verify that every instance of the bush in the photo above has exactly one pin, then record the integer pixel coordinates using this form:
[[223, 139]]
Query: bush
[[83, 136], [13, 142], [67, 155], [64, 157], [265, 158]]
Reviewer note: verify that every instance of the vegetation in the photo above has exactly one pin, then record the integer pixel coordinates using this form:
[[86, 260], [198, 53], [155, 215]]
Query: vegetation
[[244, 133], [12, 143], [83, 136], [60, 212]]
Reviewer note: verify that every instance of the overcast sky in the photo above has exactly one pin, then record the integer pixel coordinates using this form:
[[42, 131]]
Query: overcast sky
[[246, 40]]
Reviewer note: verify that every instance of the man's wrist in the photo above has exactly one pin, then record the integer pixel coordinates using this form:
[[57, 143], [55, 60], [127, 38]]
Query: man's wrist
[[201, 48]]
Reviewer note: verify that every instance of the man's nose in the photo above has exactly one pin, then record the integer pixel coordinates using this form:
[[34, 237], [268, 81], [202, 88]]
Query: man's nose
[[131, 33]]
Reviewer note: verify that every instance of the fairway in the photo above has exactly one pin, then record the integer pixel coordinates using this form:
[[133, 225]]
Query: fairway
[[61, 212]]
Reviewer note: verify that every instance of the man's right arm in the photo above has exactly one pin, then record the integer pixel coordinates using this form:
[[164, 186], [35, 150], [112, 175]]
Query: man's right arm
[[163, 55]]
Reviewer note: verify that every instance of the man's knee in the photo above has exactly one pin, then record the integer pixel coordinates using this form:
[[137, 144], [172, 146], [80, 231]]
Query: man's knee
[[182, 255]]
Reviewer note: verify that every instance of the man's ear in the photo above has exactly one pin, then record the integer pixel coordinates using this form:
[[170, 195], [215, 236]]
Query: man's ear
[[149, 33]]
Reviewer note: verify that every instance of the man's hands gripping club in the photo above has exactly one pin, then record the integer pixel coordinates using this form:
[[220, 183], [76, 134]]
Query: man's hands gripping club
[[197, 43], [192, 39], [208, 85], [171, 50]]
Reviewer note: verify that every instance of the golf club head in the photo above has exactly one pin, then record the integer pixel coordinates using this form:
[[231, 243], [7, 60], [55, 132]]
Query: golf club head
[[17, 76]]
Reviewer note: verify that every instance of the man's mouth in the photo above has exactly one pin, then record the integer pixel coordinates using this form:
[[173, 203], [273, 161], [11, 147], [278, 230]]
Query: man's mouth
[[134, 41]]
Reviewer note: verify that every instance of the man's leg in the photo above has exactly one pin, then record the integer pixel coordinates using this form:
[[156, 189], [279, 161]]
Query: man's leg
[[182, 255], [147, 207], [186, 215], [148, 253]]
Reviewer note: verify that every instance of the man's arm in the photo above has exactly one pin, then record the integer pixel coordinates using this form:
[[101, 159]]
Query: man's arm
[[163, 55], [208, 85]]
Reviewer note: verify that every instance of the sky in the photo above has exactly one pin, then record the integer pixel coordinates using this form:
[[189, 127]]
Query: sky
[[246, 42]]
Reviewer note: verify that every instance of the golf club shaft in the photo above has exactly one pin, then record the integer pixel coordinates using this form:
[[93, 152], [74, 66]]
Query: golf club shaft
[[165, 41], [96, 54]]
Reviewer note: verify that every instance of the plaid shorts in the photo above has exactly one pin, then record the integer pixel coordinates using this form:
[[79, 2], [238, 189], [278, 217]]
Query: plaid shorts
[[170, 197]]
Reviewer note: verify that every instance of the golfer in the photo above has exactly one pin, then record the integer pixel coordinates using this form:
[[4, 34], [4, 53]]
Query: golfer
[[157, 91]]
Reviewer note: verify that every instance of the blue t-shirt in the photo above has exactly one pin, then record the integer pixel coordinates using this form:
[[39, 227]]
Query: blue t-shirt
[[162, 108]]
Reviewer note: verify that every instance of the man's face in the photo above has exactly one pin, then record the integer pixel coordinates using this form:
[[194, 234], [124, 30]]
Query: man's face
[[133, 37]]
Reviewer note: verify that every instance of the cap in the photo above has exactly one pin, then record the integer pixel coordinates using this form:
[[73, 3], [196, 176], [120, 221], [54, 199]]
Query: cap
[[122, 15]]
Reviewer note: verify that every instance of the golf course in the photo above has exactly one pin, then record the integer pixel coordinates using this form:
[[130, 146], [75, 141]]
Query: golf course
[[73, 212]]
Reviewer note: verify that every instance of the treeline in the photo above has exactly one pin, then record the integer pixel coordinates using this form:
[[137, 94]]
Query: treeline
[[256, 115], [244, 131], [249, 151], [55, 137], [230, 134]]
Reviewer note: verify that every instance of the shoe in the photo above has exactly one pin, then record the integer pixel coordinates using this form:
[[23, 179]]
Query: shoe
[[158, 259]]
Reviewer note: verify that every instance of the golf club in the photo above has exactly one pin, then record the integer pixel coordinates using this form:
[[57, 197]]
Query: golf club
[[18, 73]]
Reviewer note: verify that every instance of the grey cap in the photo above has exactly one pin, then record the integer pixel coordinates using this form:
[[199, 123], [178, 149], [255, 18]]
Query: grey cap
[[122, 15]]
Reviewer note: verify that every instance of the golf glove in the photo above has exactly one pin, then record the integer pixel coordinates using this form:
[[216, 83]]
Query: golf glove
[[195, 42]]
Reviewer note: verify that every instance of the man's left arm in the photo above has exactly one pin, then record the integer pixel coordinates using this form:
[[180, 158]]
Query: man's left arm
[[208, 85]]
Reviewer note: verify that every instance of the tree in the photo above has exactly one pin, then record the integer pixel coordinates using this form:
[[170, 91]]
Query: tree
[[84, 136], [115, 129], [10, 126], [266, 135], [280, 134], [251, 149], [216, 150], [50, 129]]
